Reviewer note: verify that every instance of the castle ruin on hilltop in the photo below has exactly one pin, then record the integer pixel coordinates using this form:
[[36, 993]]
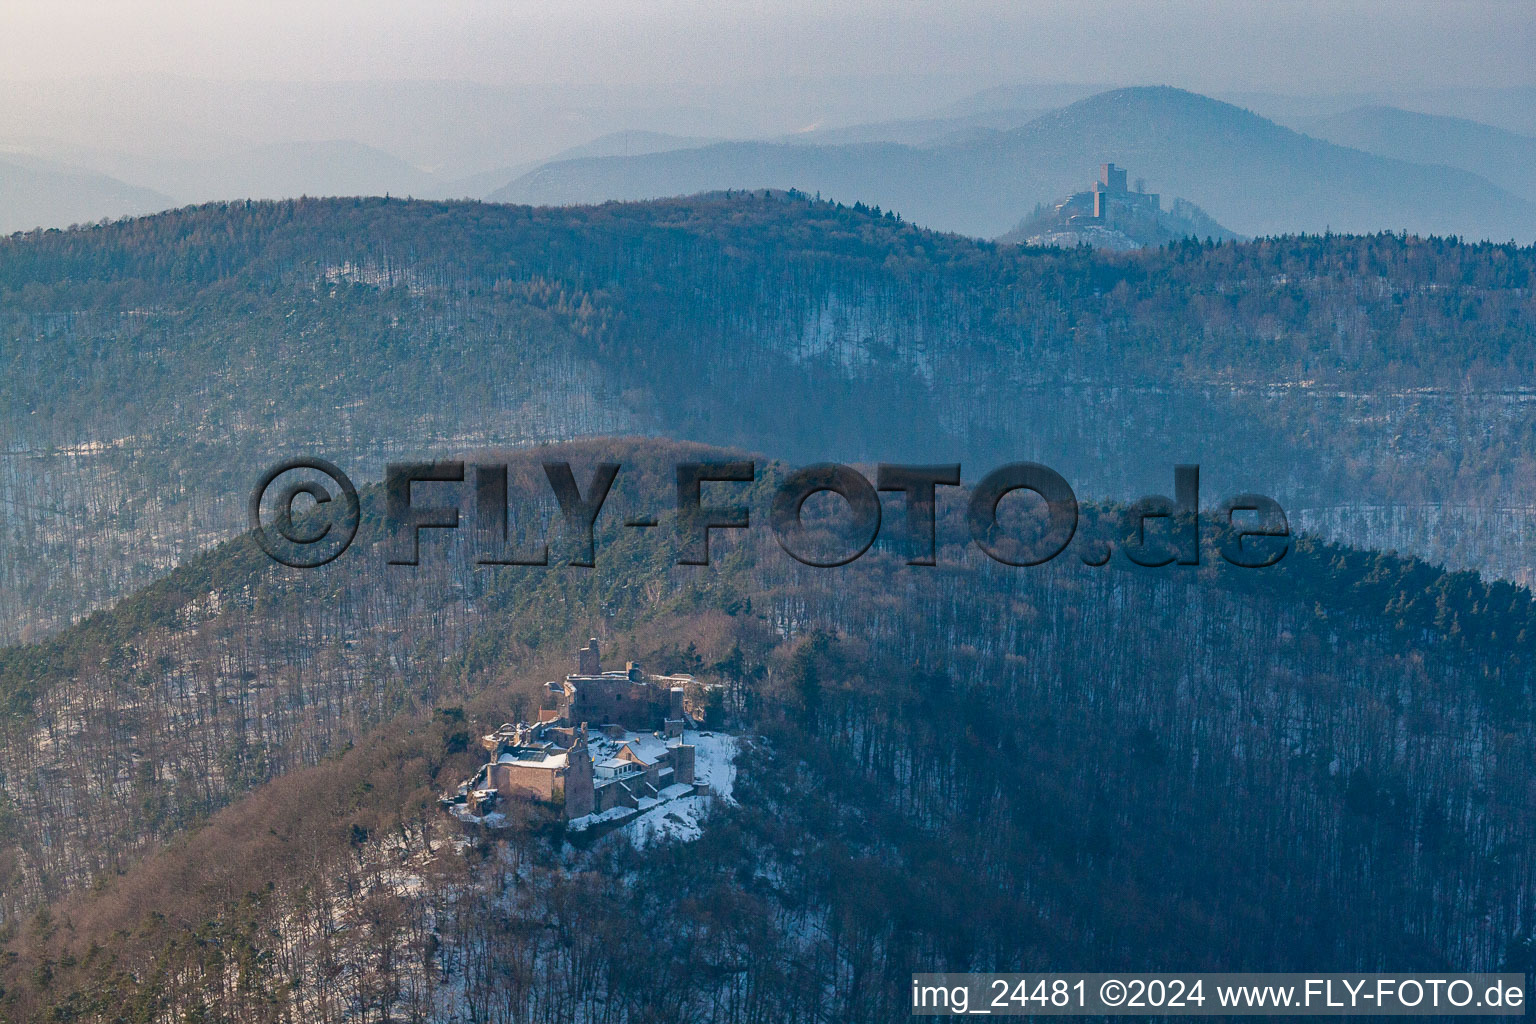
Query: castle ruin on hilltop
[[603, 741], [1109, 201], [1112, 216]]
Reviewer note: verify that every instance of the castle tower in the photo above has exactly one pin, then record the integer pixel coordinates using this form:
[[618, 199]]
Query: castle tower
[[580, 789], [589, 659], [683, 764], [1112, 178], [675, 719]]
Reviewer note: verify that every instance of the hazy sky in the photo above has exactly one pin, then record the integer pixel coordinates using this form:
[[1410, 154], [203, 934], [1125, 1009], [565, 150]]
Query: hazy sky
[[1276, 45]]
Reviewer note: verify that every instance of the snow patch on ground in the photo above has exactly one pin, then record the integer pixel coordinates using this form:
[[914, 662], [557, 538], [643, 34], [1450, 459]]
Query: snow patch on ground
[[611, 814], [1092, 234], [678, 812], [462, 813], [678, 820], [715, 761]]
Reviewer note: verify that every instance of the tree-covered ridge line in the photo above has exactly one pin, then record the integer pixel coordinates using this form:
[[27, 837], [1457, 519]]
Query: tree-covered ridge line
[[1397, 595], [1409, 287], [1116, 765], [151, 363], [306, 660]]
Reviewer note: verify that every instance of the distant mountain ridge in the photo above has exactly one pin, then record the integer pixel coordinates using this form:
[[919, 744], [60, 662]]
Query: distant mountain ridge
[[278, 170], [1504, 157], [40, 193], [1253, 175], [974, 166], [922, 131]]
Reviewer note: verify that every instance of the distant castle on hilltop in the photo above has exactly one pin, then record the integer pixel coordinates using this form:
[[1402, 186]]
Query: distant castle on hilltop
[[1109, 200], [1112, 216]]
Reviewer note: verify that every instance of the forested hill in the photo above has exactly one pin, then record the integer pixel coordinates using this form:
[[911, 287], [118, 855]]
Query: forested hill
[[1251, 174], [1444, 305], [243, 759], [1375, 385]]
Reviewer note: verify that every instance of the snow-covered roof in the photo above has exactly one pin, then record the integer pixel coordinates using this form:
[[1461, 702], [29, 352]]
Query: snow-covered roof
[[539, 761], [648, 749]]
